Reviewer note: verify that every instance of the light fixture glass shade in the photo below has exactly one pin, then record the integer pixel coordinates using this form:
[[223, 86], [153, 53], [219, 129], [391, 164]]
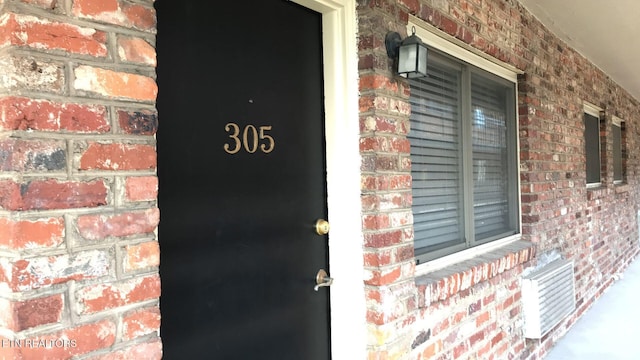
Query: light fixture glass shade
[[412, 59]]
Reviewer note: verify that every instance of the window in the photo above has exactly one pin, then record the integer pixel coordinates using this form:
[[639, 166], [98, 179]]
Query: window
[[592, 143], [616, 129], [464, 157]]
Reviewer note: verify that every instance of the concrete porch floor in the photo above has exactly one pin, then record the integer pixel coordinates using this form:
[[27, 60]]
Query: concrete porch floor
[[611, 328]]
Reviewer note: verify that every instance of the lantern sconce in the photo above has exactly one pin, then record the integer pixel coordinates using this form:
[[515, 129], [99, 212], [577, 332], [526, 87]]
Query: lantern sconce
[[409, 54]]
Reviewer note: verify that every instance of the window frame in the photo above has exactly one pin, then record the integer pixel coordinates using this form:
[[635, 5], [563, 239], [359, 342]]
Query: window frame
[[596, 112], [476, 61], [618, 149]]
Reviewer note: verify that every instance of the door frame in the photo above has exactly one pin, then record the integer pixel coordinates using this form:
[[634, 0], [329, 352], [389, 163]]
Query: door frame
[[346, 261]]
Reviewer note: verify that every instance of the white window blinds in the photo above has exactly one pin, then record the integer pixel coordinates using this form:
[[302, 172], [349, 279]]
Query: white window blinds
[[436, 149], [490, 157], [463, 158]]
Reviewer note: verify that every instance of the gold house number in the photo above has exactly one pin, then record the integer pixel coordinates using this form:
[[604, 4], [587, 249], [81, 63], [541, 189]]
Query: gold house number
[[252, 139]]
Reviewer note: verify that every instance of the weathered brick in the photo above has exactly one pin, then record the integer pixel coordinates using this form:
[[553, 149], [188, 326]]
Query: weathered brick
[[387, 182], [27, 30], [139, 16], [54, 194], [458, 317], [40, 272], [141, 188], [141, 256], [484, 351], [489, 299], [378, 82], [116, 12], [385, 276], [400, 218], [378, 258], [51, 194], [32, 155], [375, 222], [118, 157], [72, 342], [373, 144], [370, 203], [404, 253], [475, 338], [386, 163], [136, 50], [90, 8], [412, 5], [383, 239], [42, 115], [39, 311], [459, 350], [497, 338], [140, 323], [30, 234], [143, 122], [151, 350], [381, 124], [373, 61], [483, 318], [115, 84], [29, 73], [378, 318], [98, 227], [10, 197], [385, 144], [432, 349], [100, 297], [399, 145]]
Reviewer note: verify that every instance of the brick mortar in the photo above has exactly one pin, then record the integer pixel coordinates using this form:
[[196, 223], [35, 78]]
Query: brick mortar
[[68, 18], [81, 100]]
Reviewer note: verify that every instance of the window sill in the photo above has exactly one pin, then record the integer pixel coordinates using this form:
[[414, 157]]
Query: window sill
[[622, 188], [446, 282], [463, 255], [594, 186], [595, 193]]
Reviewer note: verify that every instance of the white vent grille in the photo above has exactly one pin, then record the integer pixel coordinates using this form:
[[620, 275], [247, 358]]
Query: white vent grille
[[548, 296]]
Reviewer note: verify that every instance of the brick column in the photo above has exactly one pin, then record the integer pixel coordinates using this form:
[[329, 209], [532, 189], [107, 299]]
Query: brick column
[[386, 185], [78, 251]]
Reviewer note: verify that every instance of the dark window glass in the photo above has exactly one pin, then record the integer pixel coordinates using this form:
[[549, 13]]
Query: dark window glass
[[592, 145], [617, 153]]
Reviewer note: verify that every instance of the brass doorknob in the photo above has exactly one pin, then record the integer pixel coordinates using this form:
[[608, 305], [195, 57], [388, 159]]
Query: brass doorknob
[[322, 227]]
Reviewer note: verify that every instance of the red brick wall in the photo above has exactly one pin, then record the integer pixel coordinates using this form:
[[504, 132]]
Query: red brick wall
[[475, 310], [78, 185], [79, 257]]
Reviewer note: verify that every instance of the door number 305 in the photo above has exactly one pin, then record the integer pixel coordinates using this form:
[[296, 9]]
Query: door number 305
[[250, 140]]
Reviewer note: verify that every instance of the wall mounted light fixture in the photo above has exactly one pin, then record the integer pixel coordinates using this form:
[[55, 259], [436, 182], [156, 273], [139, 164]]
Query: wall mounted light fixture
[[410, 54]]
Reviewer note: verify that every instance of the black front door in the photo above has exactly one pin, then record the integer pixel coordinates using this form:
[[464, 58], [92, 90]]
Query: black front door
[[242, 180]]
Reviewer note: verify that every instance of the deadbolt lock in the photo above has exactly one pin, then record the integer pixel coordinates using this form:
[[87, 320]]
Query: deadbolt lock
[[322, 227]]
